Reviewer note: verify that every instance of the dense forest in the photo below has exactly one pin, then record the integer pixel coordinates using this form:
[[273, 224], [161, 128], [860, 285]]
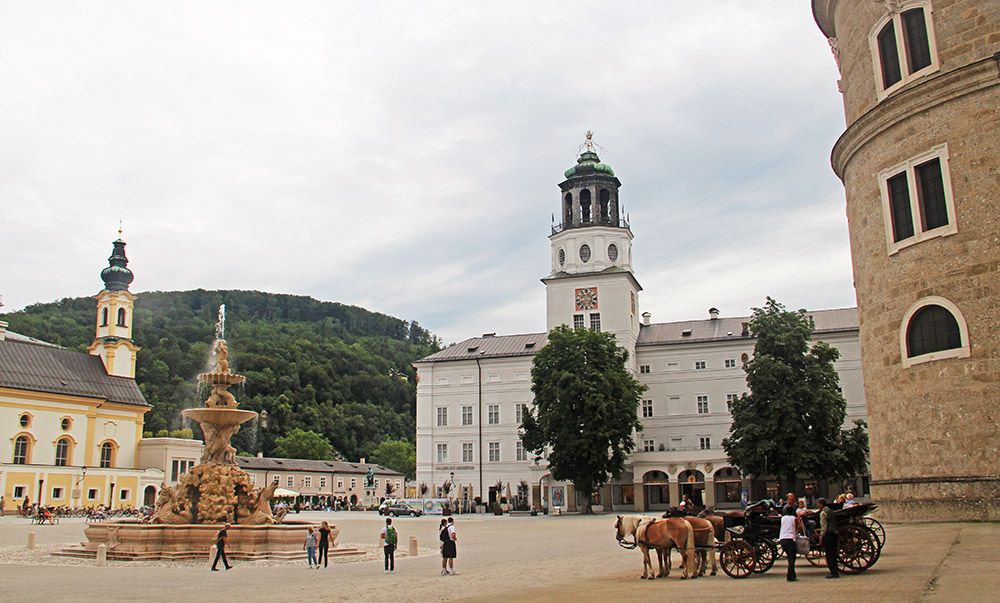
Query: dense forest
[[338, 370]]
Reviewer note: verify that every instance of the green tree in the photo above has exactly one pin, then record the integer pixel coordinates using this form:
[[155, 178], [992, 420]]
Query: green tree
[[303, 444], [398, 455], [585, 409], [791, 422]]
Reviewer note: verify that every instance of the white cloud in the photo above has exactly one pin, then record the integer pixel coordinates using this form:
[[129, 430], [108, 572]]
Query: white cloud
[[405, 157]]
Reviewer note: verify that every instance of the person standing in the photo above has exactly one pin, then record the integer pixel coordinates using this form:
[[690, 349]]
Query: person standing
[[221, 539], [450, 547], [324, 544], [389, 539], [3, 505], [790, 526], [828, 537], [310, 547]]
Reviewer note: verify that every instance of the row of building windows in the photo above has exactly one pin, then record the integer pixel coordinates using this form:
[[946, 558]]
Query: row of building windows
[[491, 378], [699, 365], [25, 420], [121, 317], [701, 404], [492, 448], [650, 445], [24, 446], [493, 416], [579, 321]]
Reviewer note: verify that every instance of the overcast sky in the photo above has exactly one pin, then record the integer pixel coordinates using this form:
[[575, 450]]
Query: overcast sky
[[405, 156]]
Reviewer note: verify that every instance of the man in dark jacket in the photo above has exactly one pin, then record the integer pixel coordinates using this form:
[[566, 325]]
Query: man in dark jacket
[[828, 537], [220, 548]]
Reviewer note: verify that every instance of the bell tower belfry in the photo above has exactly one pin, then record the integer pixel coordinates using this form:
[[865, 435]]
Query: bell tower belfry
[[591, 284], [113, 338]]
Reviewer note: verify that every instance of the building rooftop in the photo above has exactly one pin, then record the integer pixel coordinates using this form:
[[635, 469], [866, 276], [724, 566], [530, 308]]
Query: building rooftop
[[491, 346], [33, 365], [664, 333], [278, 464], [723, 328]]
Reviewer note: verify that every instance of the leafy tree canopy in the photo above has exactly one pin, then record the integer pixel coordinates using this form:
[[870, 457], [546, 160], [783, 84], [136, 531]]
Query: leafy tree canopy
[[303, 444], [791, 422], [398, 455], [585, 408], [338, 370]]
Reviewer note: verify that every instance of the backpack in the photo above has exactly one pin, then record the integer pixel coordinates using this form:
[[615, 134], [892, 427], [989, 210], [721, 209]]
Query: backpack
[[443, 535], [390, 536]]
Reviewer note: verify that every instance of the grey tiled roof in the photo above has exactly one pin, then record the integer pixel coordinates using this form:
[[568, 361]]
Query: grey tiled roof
[[491, 346], [668, 333], [32, 365], [278, 464]]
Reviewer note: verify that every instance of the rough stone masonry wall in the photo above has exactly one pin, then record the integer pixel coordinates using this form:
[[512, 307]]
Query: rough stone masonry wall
[[935, 427]]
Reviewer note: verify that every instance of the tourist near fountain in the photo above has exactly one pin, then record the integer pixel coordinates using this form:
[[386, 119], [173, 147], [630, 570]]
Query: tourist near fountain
[[212, 493]]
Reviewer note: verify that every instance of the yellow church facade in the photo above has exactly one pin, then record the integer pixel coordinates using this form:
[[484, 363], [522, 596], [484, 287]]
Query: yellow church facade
[[71, 423]]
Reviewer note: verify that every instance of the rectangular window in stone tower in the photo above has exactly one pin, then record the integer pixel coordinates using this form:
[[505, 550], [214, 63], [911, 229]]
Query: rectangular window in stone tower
[[903, 47], [917, 199]]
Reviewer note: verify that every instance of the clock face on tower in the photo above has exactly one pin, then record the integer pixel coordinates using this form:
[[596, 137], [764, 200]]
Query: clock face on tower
[[586, 299]]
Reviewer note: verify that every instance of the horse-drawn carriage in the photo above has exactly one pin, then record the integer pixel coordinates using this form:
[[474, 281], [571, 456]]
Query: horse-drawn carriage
[[747, 541], [753, 544]]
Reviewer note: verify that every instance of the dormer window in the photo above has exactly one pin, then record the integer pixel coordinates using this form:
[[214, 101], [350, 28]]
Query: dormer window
[[902, 46]]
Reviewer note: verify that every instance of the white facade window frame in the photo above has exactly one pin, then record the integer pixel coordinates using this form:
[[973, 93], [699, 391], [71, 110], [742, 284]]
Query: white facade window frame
[[519, 452], [442, 452], [700, 399], [441, 416], [909, 166], [493, 414], [896, 16], [700, 365], [647, 408], [963, 331], [494, 447], [468, 452]]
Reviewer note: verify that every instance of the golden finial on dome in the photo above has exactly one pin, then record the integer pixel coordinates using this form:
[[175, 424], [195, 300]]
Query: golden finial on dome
[[589, 144], [119, 229]]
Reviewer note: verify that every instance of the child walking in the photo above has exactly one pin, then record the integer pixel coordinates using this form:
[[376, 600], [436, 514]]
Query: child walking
[[310, 547]]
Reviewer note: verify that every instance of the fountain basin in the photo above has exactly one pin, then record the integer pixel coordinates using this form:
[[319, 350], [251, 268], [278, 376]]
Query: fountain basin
[[135, 541], [221, 378], [223, 417]]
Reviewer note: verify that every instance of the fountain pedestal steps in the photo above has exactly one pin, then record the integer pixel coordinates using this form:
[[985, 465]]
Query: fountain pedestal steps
[[129, 541]]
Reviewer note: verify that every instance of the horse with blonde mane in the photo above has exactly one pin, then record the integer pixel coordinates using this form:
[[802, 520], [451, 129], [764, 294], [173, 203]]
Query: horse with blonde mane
[[659, 534]]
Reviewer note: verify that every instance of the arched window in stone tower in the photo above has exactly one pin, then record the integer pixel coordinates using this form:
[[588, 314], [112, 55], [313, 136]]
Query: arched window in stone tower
[[104, 317], [568, 210], [604, 198], [932, 329], [121, 317], [585, 206]]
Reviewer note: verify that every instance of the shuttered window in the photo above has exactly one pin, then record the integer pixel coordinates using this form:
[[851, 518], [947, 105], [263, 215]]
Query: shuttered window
[[918, 49], [899, 203], [889, 55], [933, 207]]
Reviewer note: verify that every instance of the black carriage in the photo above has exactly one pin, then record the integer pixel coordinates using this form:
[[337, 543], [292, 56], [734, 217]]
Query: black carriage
[[753, 548]]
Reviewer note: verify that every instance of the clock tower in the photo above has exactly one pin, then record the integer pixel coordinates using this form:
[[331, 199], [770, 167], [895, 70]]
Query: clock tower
[[591, 284]]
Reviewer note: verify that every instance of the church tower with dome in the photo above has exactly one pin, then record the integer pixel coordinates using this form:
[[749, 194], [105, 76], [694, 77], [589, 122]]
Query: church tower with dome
[[113, 337], [591, 283]]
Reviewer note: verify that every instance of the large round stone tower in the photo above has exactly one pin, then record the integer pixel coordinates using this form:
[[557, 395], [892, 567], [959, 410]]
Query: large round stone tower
[[920, 162]]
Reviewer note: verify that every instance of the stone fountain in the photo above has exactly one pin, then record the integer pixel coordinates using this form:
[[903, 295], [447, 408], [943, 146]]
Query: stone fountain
[[211, 493]]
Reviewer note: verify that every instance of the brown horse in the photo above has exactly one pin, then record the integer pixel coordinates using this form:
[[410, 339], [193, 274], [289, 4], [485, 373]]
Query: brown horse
[[658, 534], [704, 539]]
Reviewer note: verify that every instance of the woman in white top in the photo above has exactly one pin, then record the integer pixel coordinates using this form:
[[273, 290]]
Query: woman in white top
[[791, 525]]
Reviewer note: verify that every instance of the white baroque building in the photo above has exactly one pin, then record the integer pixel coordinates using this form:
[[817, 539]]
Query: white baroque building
[[470, 396]]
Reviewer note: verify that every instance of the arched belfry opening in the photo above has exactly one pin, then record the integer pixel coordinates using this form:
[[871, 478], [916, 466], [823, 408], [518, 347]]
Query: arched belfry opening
[[604, 199], [585, 206], [568, 210]]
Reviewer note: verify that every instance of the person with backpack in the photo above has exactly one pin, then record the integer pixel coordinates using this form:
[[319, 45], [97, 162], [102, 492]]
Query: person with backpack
[[448, 548], [389, 539]]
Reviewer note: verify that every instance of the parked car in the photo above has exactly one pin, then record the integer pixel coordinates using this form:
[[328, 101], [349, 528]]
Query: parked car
[[402, 509], [385, 505]]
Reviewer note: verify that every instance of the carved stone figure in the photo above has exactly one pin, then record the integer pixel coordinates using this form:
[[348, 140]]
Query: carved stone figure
[[171, 507], [262, 505]]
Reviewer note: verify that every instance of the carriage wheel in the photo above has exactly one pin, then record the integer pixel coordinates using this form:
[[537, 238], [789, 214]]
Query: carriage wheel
[[737, 558], [767, 553], [816, 557], [858, 549], [872, 524]]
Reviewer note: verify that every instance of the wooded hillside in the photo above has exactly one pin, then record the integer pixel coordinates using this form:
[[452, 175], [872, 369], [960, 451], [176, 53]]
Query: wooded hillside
[[339, 370]]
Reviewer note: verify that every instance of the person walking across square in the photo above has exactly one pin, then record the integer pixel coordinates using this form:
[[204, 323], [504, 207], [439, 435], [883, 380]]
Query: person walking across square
[[828, 537], [310, 546], [791, 525], [221, 539], [324, 544], [389, 539]]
